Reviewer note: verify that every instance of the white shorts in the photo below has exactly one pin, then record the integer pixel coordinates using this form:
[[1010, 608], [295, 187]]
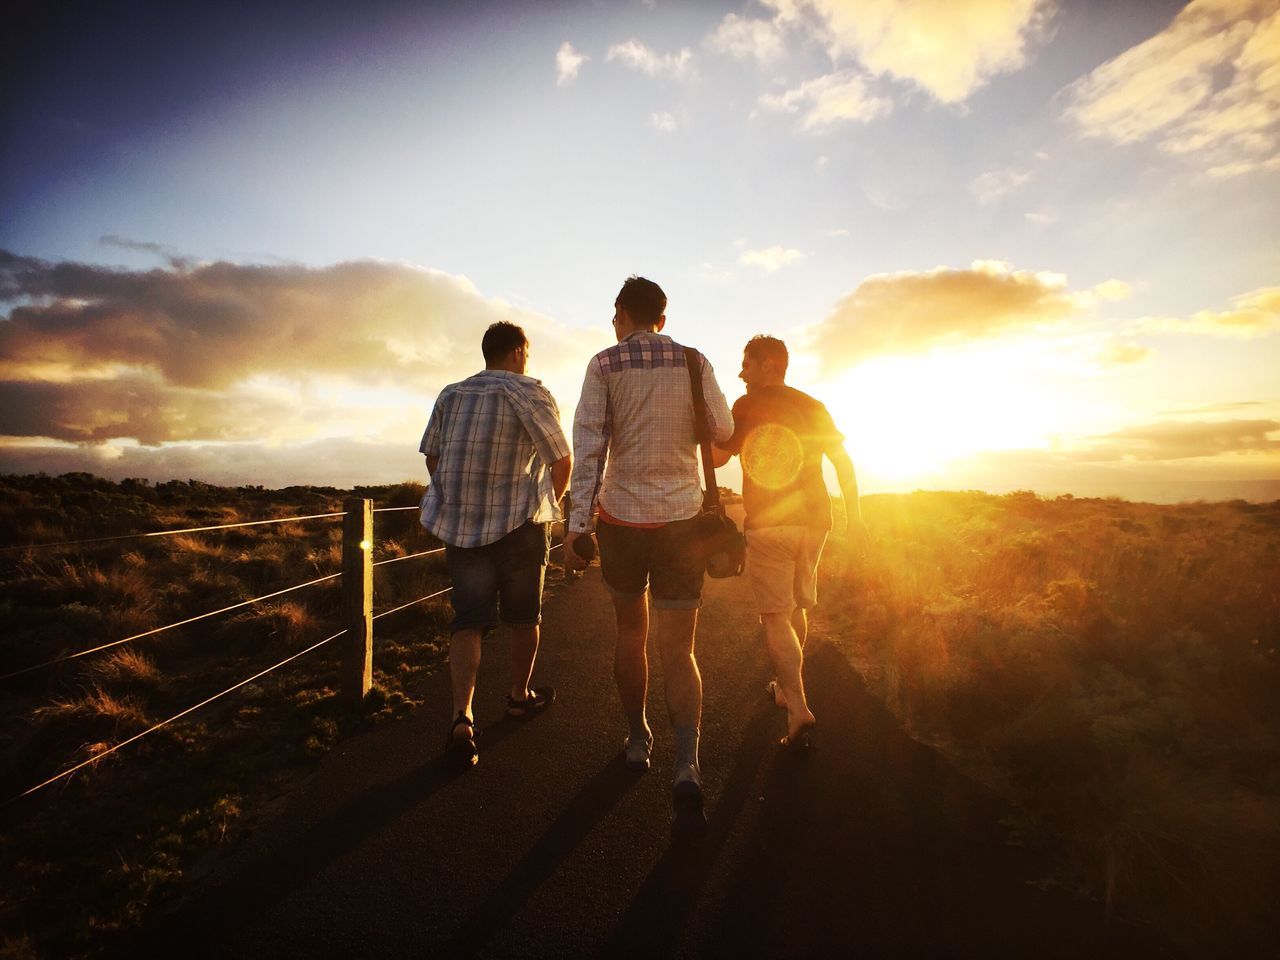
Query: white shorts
[[782, 564]]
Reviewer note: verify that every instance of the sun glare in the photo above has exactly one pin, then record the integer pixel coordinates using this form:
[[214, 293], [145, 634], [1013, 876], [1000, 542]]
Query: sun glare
[[906, 418]]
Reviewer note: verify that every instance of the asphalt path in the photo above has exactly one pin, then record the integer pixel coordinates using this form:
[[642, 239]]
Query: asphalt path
[[872, 845]]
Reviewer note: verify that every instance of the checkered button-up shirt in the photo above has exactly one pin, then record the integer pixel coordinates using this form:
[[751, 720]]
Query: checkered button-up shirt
[[496, 434], [635, 448]]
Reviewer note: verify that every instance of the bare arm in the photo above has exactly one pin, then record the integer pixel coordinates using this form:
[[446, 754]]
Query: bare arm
[[848, 481], [720, 456], [432, 463], [560, 471]]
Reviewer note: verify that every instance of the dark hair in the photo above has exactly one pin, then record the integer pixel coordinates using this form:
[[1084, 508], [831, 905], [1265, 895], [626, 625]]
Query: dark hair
[[761, 347], [643, 299], [500, 339]]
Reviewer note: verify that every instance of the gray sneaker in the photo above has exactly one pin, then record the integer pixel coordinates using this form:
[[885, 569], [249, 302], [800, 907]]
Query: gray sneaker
[[637, 752]]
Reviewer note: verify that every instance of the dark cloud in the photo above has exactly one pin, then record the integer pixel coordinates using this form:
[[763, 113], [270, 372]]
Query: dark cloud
[[180, 353], [215, 324], [335, 462], [160, 250], [138, 407]]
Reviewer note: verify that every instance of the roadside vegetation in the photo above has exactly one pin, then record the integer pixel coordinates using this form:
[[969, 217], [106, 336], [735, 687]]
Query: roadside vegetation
[[87, 860], [1111, 667]]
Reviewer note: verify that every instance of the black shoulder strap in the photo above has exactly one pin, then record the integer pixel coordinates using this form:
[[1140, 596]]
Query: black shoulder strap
[[711, 497]]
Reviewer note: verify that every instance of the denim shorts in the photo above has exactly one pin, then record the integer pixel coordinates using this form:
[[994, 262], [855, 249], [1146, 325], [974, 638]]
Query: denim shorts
[[665, 559], [501, 581]]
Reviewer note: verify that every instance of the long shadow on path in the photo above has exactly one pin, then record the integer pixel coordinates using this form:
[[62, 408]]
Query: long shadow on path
[[874, 844], [260, 885], [657, 916], [574, 823]]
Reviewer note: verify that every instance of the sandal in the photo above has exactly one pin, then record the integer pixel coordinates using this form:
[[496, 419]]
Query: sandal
[[774, 690], [539, 699], [460, 753], [798, 742]]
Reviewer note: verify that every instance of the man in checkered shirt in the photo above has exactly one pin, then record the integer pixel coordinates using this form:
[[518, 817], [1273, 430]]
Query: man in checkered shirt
[[636, 453], [499, 464]]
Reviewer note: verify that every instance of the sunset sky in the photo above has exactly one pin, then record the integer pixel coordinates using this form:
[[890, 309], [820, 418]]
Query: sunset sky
[[1011, 243]]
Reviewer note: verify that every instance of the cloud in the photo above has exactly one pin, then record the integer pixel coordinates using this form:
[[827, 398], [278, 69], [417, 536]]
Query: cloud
[[664, 122], [770, 259], [948, 50], [1118, 353], [834, 98], [140, 407], [743, 39], [225, 351], [159, 249], [1253, 314], [1215, 408], [1207, 87], [638, 56], [332, 462], [568, 61], [991, 186], [908, 312], [715, 274], [1177, 440]]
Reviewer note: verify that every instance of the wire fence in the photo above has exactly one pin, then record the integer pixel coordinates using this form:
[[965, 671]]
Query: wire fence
[[170, 533], [364, 548]]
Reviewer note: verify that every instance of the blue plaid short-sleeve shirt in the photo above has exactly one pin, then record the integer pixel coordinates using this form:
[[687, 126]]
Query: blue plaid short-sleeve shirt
[[496, 434]]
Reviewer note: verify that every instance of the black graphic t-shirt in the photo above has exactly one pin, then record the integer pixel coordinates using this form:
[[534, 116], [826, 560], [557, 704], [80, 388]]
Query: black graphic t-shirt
[[780, 435]]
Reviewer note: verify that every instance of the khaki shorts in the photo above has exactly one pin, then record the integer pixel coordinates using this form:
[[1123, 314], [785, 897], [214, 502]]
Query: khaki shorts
[[782, 563]]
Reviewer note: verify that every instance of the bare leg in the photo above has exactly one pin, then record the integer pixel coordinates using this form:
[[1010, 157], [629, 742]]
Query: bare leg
[[682, 680], [800, 624], [630, 659], [524, 650], [464, 662], [788, 660]]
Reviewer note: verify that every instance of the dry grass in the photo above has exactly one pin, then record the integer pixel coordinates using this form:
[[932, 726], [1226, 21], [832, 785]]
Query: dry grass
[[145, 816], [1112, 666], [125, 668]]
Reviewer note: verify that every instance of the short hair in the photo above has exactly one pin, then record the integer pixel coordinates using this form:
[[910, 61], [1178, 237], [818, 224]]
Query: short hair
[[501, 339], [643, 299], [762, 347]]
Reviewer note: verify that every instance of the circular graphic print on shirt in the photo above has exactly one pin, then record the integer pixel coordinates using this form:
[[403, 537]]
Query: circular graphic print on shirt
[[772, 456]]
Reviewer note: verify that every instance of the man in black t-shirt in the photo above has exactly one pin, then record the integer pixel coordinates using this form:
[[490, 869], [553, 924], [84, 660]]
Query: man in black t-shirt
[[781, 435]]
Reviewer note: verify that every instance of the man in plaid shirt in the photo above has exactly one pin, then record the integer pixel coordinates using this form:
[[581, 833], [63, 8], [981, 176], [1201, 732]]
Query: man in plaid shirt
[[499, 464], [637, 467]]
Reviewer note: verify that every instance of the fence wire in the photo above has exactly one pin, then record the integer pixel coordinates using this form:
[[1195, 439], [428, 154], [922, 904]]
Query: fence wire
[[170, 626], [412, 556], [65, 774], [165, 533], [164, 723]]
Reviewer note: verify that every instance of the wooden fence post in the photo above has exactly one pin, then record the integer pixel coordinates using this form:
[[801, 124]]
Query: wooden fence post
[[357, 599]]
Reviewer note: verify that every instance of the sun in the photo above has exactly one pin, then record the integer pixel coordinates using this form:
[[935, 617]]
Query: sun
[[906, 418]]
